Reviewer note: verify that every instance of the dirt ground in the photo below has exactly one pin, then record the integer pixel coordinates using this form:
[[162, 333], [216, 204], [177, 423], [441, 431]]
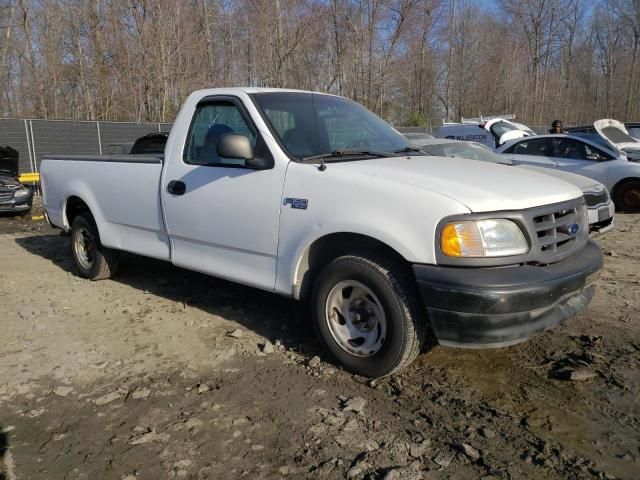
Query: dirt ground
[[139, 377]]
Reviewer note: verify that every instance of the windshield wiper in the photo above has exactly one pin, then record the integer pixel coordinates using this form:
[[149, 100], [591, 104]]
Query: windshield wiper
[[409, 149], [345, 153]]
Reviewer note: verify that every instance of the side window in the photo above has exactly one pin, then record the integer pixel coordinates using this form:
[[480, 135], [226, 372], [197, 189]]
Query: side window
[[567, 148], [535, 146], [593, 153], [211, 121]]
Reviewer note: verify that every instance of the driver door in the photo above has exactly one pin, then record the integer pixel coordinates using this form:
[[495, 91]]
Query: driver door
[[223, 218]]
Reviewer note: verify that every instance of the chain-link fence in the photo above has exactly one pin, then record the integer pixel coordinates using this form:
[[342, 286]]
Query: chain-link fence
[[34, 139]]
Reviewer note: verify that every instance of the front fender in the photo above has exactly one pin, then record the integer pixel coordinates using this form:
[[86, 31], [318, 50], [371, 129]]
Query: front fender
[[401, 216]]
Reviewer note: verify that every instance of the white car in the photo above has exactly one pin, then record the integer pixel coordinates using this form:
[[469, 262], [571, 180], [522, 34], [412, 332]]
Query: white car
[[590, 155], [599, 205], [492, 133], [312, 196]]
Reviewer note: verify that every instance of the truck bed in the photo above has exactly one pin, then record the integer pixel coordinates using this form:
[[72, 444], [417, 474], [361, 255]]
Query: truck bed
[[122, 192]]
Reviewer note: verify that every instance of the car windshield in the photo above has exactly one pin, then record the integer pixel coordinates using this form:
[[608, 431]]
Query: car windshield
[[310, 124], [470, 150]]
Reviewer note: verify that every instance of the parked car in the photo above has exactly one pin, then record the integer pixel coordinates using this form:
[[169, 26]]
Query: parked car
[[615, 134], [599, 205], [14, 196], [413, 137], [119, 148], [634, 129], [150, 144], [492, 133], [587, 155], [313, 197]]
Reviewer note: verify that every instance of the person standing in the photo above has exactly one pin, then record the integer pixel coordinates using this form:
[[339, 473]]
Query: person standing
[[556, 127]]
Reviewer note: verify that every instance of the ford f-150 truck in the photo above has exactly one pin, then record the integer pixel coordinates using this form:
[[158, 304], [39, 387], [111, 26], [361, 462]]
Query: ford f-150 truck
[[312, 196]]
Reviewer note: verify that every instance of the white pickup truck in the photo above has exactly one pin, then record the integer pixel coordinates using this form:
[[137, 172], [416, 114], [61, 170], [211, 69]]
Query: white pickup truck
[[314, 197]]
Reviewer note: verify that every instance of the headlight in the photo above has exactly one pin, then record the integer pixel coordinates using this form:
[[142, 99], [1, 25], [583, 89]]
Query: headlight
[[23, 192], [482, 238]]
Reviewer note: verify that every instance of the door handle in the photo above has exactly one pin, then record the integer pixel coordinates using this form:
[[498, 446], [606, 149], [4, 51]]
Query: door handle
[[176, 187]]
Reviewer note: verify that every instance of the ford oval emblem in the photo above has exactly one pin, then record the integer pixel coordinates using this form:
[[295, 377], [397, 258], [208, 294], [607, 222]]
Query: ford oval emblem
[[573, 228]]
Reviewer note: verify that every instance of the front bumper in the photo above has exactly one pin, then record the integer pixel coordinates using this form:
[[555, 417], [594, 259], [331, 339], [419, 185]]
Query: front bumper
[[17, 206], [496, 307], [601, 218]]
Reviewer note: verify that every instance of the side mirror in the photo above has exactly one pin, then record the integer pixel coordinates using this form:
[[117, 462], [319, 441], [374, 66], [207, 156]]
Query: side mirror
[[235, 145]]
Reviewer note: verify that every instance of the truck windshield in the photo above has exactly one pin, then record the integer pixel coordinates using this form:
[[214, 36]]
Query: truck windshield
[[309, 124]]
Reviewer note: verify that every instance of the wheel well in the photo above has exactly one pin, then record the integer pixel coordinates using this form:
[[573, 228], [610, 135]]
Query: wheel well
[[325, 249], [75, 205], [622, 182]]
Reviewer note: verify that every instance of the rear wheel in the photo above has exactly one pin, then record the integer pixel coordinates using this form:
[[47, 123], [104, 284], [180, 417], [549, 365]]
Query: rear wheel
[[367, 314], [627, 196], [92, 259]]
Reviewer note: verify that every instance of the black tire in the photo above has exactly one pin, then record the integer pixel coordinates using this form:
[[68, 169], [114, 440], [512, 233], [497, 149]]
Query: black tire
[[92, 259], [397, 293], [627, 196]]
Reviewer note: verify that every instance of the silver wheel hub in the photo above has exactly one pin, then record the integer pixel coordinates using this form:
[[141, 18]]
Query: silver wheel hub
[[84, 246], [355, 318]]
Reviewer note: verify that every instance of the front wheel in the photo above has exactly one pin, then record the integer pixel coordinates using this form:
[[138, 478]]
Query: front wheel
[[92, 259], [367, 314], [627, 196]]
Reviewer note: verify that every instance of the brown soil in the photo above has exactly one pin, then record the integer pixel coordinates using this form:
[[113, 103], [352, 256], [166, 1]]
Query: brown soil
[[136, 377]]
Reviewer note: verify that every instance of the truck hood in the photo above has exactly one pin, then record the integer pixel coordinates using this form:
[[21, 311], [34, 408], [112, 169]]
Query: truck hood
[[618, 136], [480, 186]]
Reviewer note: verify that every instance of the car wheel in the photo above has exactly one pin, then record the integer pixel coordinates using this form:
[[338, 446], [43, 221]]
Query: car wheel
[[627, 196], [92, 259], [367, 314]]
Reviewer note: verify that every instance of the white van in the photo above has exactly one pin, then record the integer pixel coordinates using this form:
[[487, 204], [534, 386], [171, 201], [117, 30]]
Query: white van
[[492, 132]]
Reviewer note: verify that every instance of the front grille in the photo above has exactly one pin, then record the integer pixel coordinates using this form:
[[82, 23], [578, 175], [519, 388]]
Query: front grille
[[554, 232], [6, 196], [594, 199], [559, 231]]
